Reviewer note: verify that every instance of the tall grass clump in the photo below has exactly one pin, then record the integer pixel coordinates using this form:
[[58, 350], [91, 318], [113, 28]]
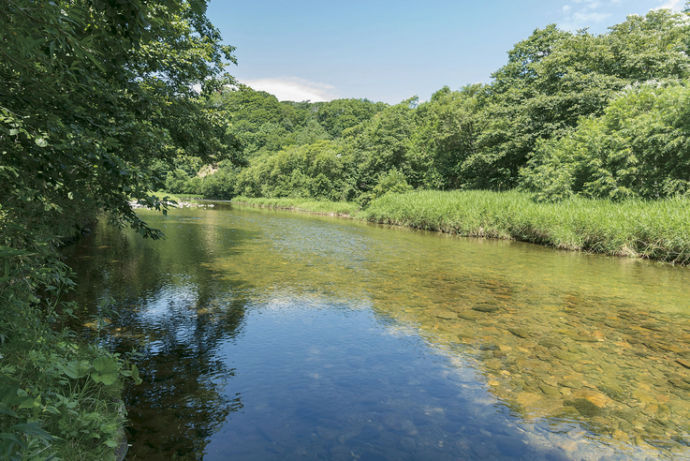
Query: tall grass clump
[[649, 229]]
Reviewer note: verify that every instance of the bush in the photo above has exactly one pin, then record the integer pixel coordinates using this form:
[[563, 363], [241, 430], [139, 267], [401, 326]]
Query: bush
[[315, 170], [394, 181]]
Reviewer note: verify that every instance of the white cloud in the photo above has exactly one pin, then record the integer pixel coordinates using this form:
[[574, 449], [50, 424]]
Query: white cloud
[[673, 5], [293, 89], [580, 14], [585, 13]]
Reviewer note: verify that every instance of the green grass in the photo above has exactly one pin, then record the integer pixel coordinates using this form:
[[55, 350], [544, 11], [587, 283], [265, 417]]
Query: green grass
[[657, 230], [649, 229], [345, 209]]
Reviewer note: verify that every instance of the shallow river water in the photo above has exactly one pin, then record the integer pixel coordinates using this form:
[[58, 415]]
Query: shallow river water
[[265, 335]]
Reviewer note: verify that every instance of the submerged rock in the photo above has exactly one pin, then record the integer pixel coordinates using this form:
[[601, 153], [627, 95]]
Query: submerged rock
[[595, 398], [585, 407], [683, 362], [519, 332], [571, 382], [680, 383], [446, 315], [550, 391], [485, 308], [468, 315]]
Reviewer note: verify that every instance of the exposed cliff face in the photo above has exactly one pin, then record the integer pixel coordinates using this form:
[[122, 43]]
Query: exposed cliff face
[[207, 170]]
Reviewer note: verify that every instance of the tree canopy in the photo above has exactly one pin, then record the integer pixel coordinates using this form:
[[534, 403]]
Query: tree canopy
[[493, 136], [94, 93], [98, 100]]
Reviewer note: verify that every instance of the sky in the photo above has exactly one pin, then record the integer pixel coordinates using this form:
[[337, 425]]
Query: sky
[[391, 50]]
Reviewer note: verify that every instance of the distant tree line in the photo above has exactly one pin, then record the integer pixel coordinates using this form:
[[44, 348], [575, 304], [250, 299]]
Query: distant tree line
[[569, 114]]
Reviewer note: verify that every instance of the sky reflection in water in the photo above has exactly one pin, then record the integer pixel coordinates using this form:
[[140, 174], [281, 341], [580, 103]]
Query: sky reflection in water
[[274, 336]]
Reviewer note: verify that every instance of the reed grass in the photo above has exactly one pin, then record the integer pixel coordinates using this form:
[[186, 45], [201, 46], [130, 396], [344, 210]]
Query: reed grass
[[649, 229]]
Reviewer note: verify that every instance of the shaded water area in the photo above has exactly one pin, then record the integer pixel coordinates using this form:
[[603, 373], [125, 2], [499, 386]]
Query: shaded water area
[[269, 336]]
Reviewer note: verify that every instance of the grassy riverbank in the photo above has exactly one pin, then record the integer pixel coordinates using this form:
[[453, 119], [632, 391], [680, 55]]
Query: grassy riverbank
[[343, 209], [657, 230]]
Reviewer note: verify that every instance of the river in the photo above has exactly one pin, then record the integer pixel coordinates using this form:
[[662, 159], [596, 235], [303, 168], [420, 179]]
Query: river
[[264, 335]]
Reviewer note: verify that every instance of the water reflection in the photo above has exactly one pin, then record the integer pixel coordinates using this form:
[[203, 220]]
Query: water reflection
[[173, 315], [182, 401], [486, 348], [354, 385]]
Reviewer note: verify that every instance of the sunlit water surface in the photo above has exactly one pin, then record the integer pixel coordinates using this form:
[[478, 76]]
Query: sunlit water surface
[[273, 336]]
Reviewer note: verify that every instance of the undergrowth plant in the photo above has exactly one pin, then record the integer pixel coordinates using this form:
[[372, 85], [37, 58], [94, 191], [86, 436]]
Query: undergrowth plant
[[59, 397]]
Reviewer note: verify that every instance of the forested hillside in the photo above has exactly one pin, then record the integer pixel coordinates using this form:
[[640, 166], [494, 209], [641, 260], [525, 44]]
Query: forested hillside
[[602, 116]]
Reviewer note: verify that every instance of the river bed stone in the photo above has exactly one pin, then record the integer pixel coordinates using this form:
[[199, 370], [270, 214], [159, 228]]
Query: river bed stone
[[592, 341]]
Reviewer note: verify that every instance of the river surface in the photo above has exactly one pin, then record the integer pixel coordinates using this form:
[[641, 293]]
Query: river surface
[[267, 335]]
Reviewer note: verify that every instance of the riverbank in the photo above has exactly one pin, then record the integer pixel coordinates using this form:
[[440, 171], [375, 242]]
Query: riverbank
[[169, 200], [60, 390], [327, 208], [61, 396], [60, 393], [658, 230]]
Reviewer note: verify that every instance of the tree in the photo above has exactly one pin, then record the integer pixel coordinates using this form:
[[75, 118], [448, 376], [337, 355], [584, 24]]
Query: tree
[[338, 115], [448, 127], [385, 143], [639, 147], [553, 78], [96, 97], [94, 93]]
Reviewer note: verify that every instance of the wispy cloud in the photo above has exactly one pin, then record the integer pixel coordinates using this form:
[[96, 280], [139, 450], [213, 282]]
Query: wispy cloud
[[580, 14], [673, 5], [293, 89]]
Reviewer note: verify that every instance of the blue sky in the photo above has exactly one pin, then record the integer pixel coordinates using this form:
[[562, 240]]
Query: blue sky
[[387, 50]]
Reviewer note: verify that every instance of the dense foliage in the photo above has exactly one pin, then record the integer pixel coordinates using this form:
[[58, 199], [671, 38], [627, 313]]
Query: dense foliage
[[639, 147], [557, 91], [97, 99], [265, 128]]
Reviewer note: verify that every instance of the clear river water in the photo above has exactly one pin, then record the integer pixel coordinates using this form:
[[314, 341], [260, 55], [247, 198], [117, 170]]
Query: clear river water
[[264, 335]]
